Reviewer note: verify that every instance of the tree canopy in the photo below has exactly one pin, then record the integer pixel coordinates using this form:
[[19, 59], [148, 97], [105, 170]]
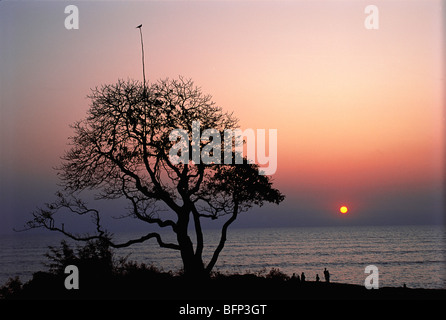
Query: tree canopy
[[121, 151]]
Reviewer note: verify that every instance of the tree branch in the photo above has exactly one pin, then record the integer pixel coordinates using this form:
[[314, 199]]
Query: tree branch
[[222, 242], [44, 219], [144, 238], [146, 218]]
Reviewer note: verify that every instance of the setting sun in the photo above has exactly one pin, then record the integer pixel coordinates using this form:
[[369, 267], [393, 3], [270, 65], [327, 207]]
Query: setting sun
[[343, 209]]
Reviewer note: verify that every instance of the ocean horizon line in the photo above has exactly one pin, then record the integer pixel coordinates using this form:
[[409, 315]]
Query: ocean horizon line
[[17, 231]]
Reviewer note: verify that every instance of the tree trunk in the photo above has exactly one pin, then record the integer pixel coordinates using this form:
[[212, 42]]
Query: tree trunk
[[192, 264]]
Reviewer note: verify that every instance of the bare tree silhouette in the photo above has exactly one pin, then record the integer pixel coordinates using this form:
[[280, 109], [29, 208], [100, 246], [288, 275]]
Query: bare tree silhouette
[[121, 150]]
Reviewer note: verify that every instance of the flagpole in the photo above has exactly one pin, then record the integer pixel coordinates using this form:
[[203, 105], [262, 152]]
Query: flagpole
[[144, 92], [142, 57]]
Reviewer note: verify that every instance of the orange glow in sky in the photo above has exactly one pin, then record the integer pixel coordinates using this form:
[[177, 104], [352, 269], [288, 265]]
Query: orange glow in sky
[[359, 113]]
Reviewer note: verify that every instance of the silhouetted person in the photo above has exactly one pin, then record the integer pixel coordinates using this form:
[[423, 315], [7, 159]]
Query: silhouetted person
[[326, 275], [295, 277], [302, 277], [317, 277]]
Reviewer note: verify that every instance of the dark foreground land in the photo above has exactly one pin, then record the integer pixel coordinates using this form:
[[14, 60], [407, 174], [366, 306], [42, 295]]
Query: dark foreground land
[[154, 285], [100, 276]]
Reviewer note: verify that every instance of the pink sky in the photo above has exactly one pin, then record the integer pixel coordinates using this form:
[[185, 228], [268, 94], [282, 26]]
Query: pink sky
[[358, 112]]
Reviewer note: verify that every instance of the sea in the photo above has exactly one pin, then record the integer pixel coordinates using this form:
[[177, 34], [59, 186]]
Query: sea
[[414, 256]]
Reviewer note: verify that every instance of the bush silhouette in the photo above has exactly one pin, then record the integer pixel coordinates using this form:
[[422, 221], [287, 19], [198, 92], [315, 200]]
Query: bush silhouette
[[10, 288], [94, 258]]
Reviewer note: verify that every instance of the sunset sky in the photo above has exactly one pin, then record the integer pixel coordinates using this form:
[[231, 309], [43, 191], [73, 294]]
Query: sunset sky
[[359, 113]]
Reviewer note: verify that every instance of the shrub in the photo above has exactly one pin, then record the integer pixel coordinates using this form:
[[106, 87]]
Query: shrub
[[95, 257], [276, 274], [11, 287]]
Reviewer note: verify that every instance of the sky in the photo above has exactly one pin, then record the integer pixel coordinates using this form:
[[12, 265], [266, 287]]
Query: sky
[[359, 112]]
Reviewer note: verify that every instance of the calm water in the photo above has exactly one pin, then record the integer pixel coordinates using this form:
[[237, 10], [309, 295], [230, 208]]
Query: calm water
[[414, 255]]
